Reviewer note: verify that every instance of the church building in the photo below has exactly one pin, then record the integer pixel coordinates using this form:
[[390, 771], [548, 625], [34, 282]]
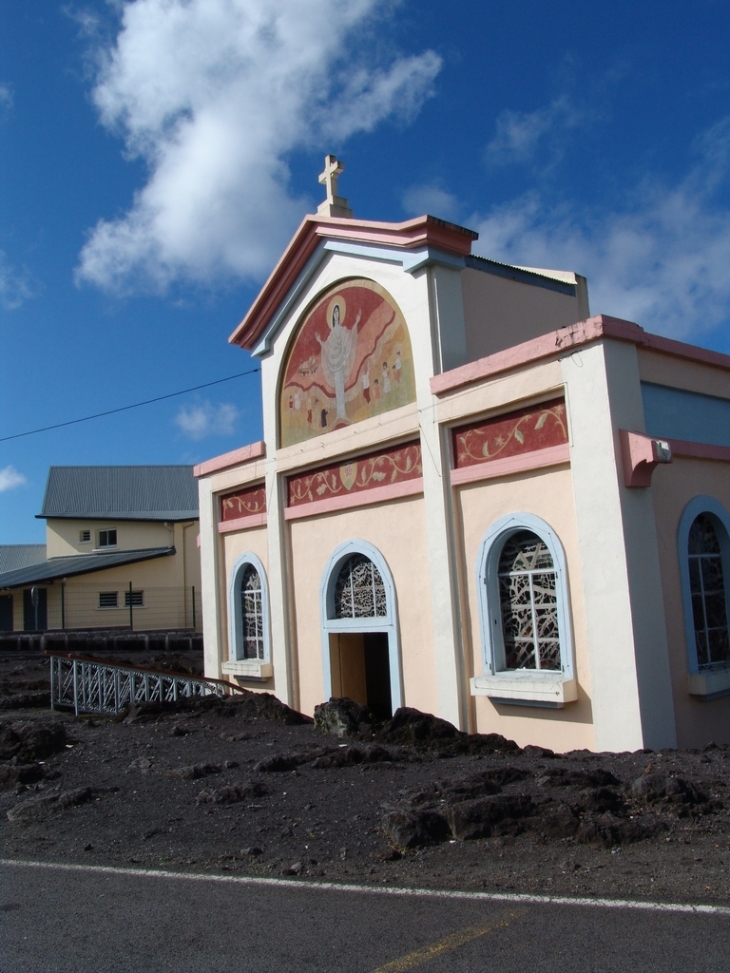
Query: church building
[[472, 498]]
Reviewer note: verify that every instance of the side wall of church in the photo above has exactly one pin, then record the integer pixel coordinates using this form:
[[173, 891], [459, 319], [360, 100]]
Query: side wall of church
[[699, 720], [500, 313], [548, 495]]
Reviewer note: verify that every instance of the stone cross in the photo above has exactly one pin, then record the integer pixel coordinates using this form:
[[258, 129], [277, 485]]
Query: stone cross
[[332, 169], [334, 205]]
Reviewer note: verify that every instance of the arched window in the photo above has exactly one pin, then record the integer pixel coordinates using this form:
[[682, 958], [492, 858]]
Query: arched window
[[248, 613], [529, 604], [359, 590], [252, 614], [525, 617], [704, 552], [707, 585]]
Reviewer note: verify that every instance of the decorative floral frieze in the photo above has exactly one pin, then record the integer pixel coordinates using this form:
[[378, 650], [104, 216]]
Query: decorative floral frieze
[[244, 503], [522, 431], [357, 475]]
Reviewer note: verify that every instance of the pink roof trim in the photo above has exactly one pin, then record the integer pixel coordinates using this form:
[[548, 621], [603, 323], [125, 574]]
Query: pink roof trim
[[227, 460], [558, 342], [422, 231]]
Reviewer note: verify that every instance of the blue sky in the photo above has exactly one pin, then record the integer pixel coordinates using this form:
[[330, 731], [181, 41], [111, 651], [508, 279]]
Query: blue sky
[[156, 156]]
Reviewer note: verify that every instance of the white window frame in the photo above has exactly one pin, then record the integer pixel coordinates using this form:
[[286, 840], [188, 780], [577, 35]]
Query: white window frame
[[524, 687], [84, 537], [236, 665], [106, 530], [108, 594], [387, 623], [135, 604], [707, 683]]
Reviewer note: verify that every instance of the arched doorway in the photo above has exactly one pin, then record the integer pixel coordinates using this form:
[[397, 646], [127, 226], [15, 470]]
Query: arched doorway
[[361, 654]]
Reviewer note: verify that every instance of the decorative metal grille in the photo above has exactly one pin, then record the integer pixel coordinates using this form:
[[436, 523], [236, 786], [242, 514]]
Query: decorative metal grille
[[252, 608], [529, 604], [93, 687], [709, 602], [359, 591]]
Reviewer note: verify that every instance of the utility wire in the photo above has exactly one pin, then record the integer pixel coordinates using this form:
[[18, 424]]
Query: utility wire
[[126, 408]]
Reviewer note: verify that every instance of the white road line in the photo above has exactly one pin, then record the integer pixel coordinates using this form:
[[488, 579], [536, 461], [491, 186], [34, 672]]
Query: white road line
[[403, 892]]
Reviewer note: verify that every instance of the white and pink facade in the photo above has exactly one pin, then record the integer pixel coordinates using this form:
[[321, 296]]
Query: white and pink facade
[[472, 498]]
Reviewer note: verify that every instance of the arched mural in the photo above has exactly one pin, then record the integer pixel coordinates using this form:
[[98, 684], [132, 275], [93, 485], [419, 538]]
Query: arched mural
[[351, 359]]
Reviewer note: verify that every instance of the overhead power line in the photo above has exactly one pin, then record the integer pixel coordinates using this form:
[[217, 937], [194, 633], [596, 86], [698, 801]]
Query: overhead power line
[[126, 408]]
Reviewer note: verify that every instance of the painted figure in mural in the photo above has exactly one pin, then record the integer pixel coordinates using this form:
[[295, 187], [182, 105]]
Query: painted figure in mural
[[338, 352], [397, 366], [386, 379], [365, 380]]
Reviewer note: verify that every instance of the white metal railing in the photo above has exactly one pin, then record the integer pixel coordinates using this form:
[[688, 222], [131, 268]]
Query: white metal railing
[[88, 686]]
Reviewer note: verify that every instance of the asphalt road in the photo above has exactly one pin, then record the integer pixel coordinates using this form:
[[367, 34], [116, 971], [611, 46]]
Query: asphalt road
[[59, 920]]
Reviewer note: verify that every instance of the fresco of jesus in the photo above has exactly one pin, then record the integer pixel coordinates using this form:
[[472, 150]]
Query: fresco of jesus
[[338, 352]]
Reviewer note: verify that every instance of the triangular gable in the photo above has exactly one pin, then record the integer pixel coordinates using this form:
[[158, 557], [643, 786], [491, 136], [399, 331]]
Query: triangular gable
[[412, 243]]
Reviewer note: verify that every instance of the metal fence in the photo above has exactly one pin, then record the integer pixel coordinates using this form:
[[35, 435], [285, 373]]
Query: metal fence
[[119, 604], [87, 686]]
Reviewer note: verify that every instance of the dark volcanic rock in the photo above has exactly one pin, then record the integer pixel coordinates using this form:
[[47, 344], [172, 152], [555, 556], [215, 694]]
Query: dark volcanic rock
[[281, 762], [411, 727], [607, 830], [415, 827], [342, 717], [349, 756], [560, 777], [479, 818], [12, 774], [244, 705], [232, 794], [27, 700], [28, 740], [557, 820], [651, 788], [36, 808], [195, 771]]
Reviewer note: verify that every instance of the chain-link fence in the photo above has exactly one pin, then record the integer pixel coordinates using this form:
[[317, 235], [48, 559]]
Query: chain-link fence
[[117, 605]]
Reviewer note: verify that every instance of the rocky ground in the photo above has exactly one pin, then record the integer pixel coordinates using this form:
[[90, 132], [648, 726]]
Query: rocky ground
[[247, 786]]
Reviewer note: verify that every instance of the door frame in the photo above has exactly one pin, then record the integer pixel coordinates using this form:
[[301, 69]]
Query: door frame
[[387, 623]]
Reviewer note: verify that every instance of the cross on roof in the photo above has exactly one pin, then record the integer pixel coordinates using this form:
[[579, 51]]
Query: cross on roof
[[333, 205], [332, 169]]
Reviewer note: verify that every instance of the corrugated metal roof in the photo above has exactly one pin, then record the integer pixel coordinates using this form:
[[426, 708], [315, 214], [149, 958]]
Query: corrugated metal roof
[[526, 275], [67, 567], [15, 556], [121, 493]]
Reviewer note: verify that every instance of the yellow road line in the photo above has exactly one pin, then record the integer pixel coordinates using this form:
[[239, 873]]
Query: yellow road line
[[456, 939]]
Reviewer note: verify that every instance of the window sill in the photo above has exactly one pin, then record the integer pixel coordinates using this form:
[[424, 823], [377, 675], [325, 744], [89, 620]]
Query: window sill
[[709, 683], [249, 669], [526, 689]]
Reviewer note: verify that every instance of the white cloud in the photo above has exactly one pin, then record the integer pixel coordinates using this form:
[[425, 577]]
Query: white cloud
[[430, 198], [662, 261], [15, 285], [6, 100], [214, 95], [205, 419], [521, 134], [10, 479]]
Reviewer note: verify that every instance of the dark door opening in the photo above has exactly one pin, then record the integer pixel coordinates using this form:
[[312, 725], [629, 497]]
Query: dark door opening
[[360, 665], [29, 612], [6, 613]]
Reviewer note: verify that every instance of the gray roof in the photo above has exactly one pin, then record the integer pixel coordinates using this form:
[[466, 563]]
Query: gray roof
[[15, 556], [66, 567], [121, 493]]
